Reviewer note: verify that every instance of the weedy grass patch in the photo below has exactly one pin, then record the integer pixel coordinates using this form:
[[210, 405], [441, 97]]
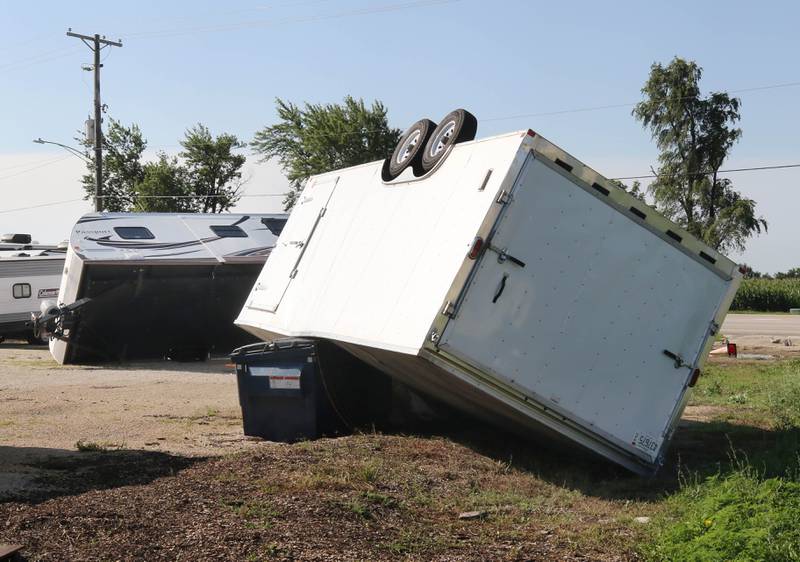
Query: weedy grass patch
[[747, 509], [736, 516]]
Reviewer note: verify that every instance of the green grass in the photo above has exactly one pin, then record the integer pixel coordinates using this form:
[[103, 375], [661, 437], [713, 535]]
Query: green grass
[[747, 508], [96, 447], [766, 394], [735, 516]]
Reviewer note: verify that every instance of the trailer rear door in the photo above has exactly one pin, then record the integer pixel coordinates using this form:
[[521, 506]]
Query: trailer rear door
[[284, 261], [574, 305]]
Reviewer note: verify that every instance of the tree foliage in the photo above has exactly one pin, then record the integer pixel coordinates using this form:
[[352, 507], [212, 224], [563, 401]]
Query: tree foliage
[[206, 178], [694, 136], [318, 138], [164, 188], [634, 189], [213, 169], [122, 166]]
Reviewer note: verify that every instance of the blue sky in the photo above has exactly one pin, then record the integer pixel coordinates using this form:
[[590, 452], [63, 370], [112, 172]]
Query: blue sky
[[223, 65]]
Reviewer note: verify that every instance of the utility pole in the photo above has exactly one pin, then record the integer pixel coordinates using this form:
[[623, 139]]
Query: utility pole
[[97, 43]]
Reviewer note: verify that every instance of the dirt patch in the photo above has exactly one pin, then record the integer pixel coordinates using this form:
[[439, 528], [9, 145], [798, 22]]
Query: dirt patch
[[368, 497], [188, 409]]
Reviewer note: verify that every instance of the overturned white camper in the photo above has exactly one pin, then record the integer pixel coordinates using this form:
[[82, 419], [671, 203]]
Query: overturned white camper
[[30, 274], [509, 280], [153, 285]]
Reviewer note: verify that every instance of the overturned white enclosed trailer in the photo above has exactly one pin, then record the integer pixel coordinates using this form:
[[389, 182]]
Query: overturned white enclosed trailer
[[511, 281], [154, 285]]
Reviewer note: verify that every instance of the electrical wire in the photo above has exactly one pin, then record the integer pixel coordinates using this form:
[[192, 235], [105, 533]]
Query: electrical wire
[[42, 165], [51, 204], [631, 104], [707, 173], [291, 20]]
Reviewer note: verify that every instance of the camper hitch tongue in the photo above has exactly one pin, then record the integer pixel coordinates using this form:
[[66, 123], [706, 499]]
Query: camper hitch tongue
[[55, 320]]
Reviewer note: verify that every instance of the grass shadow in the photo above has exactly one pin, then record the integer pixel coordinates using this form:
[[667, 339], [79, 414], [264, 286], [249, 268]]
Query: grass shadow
[[699, 449], [33, 474]]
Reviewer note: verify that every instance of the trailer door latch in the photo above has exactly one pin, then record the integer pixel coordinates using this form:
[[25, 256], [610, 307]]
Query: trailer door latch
[[503, 255], [679, 362]]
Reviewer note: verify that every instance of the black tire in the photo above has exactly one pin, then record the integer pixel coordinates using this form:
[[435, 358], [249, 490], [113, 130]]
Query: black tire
[[408, 150], [457, 126]]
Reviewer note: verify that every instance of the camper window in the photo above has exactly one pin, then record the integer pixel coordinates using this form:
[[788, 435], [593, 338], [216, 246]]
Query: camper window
[[21, 291], [275, 226], [133, 233], [228, 231]]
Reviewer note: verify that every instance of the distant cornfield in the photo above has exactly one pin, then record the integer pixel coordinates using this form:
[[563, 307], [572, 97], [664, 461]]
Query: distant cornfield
[[772, 295]]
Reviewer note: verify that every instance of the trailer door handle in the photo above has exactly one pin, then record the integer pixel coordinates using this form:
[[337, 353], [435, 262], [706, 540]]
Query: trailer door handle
[[501, 288], [679, 362]]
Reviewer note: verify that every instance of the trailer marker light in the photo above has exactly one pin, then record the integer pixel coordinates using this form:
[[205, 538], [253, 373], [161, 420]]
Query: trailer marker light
[[563, 164], [708, 258], [475, 249], [638, 213], [531, 133], [695, 376], [674, 236]]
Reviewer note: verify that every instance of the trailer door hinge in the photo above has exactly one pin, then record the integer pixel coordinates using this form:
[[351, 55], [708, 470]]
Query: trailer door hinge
[[449, 309], [504, 197]]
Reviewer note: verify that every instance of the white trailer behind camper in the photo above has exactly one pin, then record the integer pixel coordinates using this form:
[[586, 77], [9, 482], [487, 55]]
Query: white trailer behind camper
[[30, 274], [153, 285], [513, 282]]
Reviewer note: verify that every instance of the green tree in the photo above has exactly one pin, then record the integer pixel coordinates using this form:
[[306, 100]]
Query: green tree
[[164, 188], [634, 189], [122, 166], [793, 273], [212, 168], [694, 135], [318, 138]]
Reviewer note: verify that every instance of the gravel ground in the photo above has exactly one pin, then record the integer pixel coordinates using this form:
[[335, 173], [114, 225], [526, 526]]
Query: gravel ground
[[184, 409], [164, 473]]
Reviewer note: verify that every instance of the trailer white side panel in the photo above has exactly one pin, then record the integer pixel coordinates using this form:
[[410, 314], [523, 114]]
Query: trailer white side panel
[[382, 258], [583, 325]]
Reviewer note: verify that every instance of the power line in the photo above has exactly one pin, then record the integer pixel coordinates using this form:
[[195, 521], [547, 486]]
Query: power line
[[37, 59], [291, 20], [42, 165], [51, 204], [631, 104], [728, 171]]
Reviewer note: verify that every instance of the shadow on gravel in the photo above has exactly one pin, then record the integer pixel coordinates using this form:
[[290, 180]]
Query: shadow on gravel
[[33, 475]]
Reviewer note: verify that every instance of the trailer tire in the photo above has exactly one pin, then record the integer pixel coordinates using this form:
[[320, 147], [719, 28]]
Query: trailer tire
[[408, 150], [457, 126]]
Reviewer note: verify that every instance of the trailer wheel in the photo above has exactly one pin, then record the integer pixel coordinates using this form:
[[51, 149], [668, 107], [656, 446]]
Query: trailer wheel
[[457, 126], [408, 150]]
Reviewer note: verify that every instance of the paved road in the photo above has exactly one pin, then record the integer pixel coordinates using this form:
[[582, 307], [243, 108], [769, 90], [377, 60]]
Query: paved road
[[777, 325]]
